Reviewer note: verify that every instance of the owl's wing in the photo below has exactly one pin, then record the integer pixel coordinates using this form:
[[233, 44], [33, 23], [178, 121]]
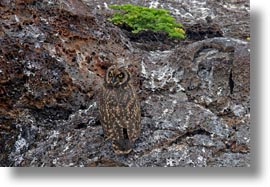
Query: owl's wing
[[136, 123], [131, 120]]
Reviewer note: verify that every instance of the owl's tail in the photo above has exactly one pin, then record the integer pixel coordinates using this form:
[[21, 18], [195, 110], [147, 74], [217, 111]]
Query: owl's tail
[[124, 145]]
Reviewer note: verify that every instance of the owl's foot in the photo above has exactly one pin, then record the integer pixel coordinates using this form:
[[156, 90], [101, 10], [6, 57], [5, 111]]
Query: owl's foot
[[122, 152], [108, 138]]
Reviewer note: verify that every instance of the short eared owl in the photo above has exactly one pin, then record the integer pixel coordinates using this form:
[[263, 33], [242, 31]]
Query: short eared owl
[[119, 109]]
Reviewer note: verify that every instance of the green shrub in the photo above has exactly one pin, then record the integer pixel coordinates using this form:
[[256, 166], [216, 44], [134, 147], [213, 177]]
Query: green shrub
[[142, 18]]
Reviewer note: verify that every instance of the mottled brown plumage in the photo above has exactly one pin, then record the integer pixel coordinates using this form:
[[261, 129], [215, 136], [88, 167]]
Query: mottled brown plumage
[[119, 110]]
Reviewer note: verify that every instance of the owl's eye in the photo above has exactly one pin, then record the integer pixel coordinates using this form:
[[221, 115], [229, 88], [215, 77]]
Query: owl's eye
[[110, 74], [121, 75]]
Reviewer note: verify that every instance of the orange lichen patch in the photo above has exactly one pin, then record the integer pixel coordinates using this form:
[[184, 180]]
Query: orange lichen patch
[[99, 65], [55, 53]]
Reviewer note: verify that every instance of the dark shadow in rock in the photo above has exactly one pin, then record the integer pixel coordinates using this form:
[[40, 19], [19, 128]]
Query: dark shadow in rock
[[201, 31], [149, 40]]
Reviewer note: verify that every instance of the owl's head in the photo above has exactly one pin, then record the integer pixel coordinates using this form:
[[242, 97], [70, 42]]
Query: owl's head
[[117, 76]]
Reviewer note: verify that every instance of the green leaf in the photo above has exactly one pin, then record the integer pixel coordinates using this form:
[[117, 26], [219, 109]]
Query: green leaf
[[143, 18]]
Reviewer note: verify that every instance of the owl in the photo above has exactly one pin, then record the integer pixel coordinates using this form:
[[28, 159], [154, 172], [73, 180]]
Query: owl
[[119, 109]]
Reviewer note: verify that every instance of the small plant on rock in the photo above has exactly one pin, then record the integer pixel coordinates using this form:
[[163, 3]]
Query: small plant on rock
[[140, 18]]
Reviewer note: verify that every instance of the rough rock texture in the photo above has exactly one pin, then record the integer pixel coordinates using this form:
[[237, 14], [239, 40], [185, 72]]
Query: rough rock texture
[[194, 94]]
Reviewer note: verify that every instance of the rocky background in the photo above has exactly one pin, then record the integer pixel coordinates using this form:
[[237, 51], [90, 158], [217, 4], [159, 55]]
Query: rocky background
[[195, 93]]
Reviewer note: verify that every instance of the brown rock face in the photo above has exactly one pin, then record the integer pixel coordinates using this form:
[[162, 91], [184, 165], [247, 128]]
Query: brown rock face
[[52, 60], [195, 97]]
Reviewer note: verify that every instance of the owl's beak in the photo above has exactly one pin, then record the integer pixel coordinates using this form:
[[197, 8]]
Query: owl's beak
[[113, 80]]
